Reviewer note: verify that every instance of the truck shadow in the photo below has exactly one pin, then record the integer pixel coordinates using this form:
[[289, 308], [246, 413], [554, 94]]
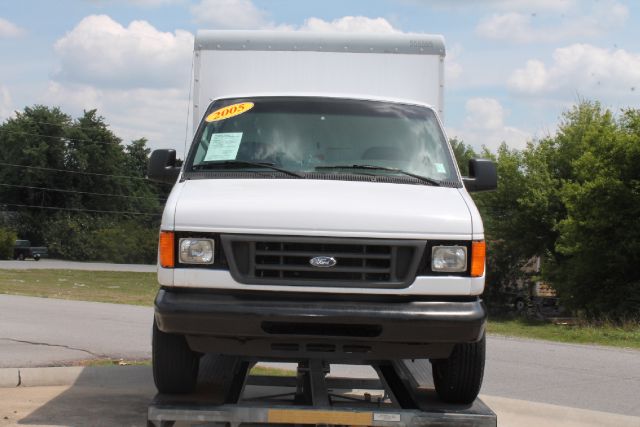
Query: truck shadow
[[108, 396], [117, 396], [120, 396]]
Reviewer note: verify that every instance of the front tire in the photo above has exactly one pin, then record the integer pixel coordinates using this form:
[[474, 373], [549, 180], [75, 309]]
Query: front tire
[[175, 365], [459, 377]]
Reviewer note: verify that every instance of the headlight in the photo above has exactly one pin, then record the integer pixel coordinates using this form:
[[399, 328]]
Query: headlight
[[196, 251], [449, 258]]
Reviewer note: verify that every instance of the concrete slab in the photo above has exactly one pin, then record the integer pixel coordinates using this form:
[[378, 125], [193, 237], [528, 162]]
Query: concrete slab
[[107, 376], [56, 376], [512, 412], [9, 377]]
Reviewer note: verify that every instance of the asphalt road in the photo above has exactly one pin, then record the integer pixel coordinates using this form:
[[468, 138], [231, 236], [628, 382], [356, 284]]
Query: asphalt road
[[57, 264], [45, 332]]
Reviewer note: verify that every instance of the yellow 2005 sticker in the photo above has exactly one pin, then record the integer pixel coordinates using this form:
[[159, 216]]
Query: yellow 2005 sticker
[[229, 111]]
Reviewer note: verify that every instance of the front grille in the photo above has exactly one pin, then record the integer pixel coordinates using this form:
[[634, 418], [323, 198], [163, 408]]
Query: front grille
[[359, 262]]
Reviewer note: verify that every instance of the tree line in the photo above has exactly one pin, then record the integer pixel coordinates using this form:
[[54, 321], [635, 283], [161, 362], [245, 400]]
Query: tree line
[[73, 185], [571, 198]]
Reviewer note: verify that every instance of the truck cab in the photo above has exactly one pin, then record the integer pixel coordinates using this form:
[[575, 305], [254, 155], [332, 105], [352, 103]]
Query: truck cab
[[22, 250], [320, 225]]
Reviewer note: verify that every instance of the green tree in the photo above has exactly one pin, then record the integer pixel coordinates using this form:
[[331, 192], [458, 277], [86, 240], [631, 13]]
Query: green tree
[[58, 176], [598, 246], [35, 139], [138, 157], [463, 153], [7, 241]]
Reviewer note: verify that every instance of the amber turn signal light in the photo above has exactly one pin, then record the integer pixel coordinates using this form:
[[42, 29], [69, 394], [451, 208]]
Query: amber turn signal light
[[478, 254], [167, 249]]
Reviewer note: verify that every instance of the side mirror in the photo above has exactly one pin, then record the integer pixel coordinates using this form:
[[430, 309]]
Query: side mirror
[[483, 175], [162, 166]]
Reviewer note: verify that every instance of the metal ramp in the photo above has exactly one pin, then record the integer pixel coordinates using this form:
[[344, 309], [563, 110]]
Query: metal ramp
[[228, 395]]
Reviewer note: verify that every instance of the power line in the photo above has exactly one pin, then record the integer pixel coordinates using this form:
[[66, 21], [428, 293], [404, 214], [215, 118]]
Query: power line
[[31, 121], [76, 172], [80, 210], [75, 124], [65, 137], [82, 192], [19, 132]]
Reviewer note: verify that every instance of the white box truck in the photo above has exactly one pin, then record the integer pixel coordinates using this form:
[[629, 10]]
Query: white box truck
[[319, 213]]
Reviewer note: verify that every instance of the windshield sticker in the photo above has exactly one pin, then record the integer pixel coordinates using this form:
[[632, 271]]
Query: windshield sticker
[[223, 146], [440, 168], [229, 111]]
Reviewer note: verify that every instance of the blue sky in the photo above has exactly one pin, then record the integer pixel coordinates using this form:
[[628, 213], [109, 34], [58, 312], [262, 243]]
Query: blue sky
[[513, 66]]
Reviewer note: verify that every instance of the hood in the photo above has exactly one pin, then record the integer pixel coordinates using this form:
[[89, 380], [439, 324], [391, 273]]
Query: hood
[[318, 207]]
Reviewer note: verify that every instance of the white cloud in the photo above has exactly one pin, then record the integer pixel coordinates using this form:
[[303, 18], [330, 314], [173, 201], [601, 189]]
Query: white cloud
[[10, 30], [530, 6], [585, 70], [152, 3], [244, 14], [102, 52], [135, 76], [485, 125], [6, 104], [141, 3], [530, 79], [521, 28], [453, 68], [236, 14], [484, 113], [349, 24], [156, 114]]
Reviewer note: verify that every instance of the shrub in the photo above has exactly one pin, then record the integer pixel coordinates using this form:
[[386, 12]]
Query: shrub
[[86, 238], [7, 241]]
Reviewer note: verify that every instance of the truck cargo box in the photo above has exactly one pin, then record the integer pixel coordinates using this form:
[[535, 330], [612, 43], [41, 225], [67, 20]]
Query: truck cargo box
[[390, 66]]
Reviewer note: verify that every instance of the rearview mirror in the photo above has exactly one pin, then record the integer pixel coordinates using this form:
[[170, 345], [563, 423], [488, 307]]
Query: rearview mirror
[[483, 175], [162, 166]]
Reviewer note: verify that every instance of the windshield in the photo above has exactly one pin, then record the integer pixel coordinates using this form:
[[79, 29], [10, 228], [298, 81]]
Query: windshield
[[322, 135]]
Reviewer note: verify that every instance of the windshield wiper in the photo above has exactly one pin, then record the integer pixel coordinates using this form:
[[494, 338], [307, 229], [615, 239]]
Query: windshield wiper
[[213, 165], [430, 181]]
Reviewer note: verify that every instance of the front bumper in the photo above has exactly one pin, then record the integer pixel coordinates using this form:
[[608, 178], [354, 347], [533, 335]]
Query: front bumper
[[275, 325]]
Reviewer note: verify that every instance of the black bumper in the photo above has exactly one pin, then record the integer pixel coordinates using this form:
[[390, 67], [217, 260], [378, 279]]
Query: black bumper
[[272, 323]]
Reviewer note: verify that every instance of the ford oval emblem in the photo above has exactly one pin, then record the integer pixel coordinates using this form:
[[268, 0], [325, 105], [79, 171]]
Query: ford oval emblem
[[323, 261]]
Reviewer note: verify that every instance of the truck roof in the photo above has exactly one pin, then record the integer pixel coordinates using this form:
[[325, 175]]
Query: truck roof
[[259, 40]]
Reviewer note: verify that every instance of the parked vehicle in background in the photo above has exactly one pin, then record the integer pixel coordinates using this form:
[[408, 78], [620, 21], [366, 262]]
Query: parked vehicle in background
[[320, 212], [23, 250], [529, 296]]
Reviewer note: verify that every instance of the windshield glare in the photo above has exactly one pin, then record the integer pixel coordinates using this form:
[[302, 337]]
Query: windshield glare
[[311, 134]]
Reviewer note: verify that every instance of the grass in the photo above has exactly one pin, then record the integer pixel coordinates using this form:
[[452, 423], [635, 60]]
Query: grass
[[112, 362], [256, 370], [625, 335], [102, 286], [272, 372], [140, 289]]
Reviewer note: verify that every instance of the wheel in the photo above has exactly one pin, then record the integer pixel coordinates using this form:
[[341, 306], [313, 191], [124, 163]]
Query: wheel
[[36, 257], [20, 257], [520, 305], [175, 365], [459, 377]]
